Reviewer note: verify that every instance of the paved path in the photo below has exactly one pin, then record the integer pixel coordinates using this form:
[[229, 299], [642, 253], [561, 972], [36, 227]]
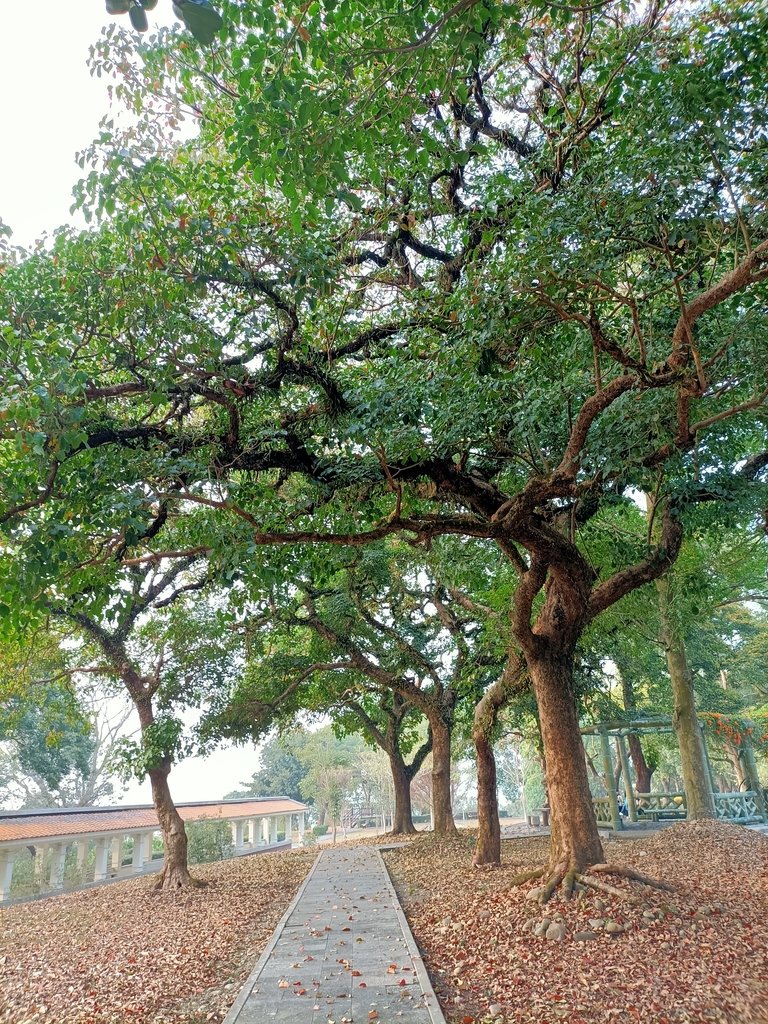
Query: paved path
[[343, 952]]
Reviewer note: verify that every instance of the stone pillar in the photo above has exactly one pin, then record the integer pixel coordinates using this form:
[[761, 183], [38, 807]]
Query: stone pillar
[[82, 853], [301, 827], [117, 853], [272, 828], [628, 788], [613, 803], [40, 852], [138, 852], [7, 858], [147, 850], [103, 848], [257, 832], [238, 831], [58, 858]]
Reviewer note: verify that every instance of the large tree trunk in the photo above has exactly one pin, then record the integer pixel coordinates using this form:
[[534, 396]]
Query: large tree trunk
[[441, 777], [175, 873], [575, 841], [401, 780], [696, 779]]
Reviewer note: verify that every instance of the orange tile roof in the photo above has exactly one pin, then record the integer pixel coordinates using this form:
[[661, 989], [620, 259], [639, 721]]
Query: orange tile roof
[[20, 826]]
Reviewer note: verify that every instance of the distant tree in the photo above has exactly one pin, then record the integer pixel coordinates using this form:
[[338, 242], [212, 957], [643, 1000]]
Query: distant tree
[[280, 774]]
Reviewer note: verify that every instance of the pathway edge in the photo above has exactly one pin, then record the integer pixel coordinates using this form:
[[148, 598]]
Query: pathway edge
[[432, 1005], [253, 977]]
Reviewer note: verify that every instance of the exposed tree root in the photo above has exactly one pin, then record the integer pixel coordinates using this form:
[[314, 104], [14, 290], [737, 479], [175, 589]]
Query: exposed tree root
[[170, 881], [610, 890], [528, 876], [570, 879], [635, 876]]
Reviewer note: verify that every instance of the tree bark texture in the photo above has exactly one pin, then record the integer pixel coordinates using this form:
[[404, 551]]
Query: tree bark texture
[[575, 841], [401, 781], [695, 769], [643, 771], [441, 777], [175, 873], [488, 847], [513, 678]]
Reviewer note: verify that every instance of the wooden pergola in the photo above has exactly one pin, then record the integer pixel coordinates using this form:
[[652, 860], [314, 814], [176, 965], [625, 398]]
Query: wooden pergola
[[736, 807]]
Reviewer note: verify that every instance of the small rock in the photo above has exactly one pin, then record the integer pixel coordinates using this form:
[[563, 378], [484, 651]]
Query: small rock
[[584, 936], [598, 904], [541, 928], [534, 893], [495, 1009], [649, 914], [556, 931], [484, 915], [613, 927], [598, 923]]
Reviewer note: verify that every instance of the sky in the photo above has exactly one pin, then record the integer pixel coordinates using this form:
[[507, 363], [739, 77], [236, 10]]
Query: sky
[[50, 109]]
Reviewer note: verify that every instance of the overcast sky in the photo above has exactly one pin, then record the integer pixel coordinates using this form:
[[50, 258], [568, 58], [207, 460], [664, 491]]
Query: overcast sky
[[50, 109]]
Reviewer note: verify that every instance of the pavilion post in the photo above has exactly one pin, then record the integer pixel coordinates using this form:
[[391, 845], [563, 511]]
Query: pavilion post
[[628, 787], [117, 853], [57, 866], [613, 803], [301, 827], [101, 869], [6, 873]]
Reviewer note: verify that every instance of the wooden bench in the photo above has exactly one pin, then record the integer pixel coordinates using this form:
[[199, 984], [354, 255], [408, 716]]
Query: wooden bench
[[657, 813]]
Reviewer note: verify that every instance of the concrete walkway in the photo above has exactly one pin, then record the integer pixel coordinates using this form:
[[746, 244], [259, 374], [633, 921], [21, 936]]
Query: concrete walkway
[[342, 952]]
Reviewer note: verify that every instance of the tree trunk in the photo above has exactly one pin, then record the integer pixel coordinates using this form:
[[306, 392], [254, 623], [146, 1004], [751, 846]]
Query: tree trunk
[[175, 873], [575, 841], [643, 772], [733, 754], [696, 779], [402, 823], [443, 822], [488, 848]]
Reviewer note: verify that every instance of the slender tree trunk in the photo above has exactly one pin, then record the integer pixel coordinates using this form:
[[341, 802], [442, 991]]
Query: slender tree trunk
[[402, 823], [575, 841], [643, 772], [175, 873], [488, 848], [441, 777], [733, 754], [512, 678], [696, 780]]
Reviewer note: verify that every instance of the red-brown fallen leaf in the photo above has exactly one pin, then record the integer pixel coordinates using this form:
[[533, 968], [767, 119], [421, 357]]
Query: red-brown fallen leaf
[[373, 1015]]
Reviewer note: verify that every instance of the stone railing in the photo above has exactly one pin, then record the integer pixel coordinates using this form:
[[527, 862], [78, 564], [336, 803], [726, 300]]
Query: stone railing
[[657, 805], [602, 808], [737, 807]]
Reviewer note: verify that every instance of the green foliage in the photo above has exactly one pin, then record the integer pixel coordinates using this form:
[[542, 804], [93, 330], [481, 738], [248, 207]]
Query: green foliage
[[280, 774], [209, 841]]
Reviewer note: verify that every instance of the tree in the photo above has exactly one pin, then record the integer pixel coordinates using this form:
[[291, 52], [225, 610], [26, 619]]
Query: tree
[[373, 640], [162, 659], [560, 215], [280, 774]]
